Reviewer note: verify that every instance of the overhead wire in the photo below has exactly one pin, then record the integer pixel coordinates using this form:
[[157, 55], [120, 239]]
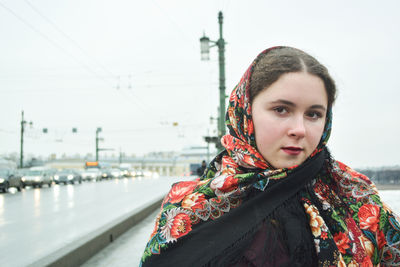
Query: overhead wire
[[55, 44], [88, 68], [79, 47], [176, 25], [68, 37]]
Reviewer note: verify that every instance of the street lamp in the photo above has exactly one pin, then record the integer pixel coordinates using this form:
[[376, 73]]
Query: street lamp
[[205, 55], [205, 48], [98, 130], [21, 155]]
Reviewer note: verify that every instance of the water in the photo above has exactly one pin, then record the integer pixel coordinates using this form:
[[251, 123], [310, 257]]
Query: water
[[392, 199]]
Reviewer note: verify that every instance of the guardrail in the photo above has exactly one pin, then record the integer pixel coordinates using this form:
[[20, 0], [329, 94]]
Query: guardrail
[[84, 248]]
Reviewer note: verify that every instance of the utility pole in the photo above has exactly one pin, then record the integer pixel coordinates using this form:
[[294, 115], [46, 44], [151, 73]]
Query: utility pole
[[21, 156], [221, 59], [98, 130], [205, 51]]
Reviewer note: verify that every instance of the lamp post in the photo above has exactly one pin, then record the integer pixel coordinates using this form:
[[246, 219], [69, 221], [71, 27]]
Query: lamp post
[[98, 130], [205, 55], [21, 156]]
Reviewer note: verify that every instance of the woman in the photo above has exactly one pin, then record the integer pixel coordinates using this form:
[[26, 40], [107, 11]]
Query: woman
[[274, 196]]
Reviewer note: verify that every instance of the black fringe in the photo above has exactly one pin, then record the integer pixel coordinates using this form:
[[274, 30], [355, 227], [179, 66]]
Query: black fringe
[[282, 239]]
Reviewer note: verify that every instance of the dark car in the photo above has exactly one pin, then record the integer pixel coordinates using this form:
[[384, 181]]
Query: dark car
[[9, 178], [105, 174], [67, 177]]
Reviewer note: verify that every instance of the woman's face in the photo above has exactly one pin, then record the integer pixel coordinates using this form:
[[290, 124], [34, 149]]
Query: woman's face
[[289, 118]]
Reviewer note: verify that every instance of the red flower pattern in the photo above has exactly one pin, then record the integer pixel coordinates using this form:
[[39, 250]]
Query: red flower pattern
[[324, 235], [381, 240], [342, 242], [367, 262], [250, 128], [181, 225], [179, 191], [194, 201], [230, 184], [368, 215]]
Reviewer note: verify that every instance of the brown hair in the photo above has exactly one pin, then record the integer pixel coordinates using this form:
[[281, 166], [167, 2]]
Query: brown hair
[[272, 65]]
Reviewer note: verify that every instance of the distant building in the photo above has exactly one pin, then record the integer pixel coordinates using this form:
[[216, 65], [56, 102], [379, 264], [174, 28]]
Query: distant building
[[7, 164], [383, 175], [164, 163]]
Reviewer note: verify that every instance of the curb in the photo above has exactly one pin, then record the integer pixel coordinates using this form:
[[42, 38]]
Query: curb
[[84, 248]]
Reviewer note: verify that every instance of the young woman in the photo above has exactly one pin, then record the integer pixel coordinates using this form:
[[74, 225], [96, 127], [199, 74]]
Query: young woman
[[275, 196]]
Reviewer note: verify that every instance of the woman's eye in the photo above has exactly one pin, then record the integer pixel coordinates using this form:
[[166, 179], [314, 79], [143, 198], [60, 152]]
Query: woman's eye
[[281, 110], [314, 115]]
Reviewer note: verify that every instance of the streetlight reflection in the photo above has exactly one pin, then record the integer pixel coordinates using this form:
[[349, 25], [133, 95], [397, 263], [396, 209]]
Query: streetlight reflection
[[36, 202], [56, 197], [2, 219], [70, 193], [1, 204]]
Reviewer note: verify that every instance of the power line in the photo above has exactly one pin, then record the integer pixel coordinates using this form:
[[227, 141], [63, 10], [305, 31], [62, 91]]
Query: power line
[[52, 42], [128, 97], [8, 132], [68, 37], [72, 89], [140, 102], [176, 25], [62, 49]]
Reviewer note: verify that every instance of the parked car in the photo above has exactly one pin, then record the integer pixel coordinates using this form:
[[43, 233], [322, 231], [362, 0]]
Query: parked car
[[116, 173], [91, 174], [36, 178], [67, 176], [10, 178], [138, 173], [51, 172], [105, 174]]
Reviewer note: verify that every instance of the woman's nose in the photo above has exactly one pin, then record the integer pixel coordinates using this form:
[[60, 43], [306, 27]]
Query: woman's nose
[[297, 129]]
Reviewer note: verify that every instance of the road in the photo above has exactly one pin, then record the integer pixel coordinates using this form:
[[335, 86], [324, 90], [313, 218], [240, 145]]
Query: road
[[36, 222]]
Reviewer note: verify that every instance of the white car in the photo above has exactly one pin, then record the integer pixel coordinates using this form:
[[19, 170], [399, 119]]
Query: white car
[[116, 173], [91, 174], [36, 178]]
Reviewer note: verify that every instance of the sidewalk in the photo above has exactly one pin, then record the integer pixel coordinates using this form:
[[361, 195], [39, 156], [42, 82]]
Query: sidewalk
[[127, 249]]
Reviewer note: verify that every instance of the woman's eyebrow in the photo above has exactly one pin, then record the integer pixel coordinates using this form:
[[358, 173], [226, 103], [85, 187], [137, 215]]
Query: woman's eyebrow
[[282, 101], [286, 102], [318, 107]]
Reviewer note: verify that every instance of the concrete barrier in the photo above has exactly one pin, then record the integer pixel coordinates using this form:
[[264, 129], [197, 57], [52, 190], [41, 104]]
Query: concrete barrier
[[84, 248]]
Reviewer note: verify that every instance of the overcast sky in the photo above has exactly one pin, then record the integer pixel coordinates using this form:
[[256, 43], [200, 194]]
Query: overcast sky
[[133, 68]]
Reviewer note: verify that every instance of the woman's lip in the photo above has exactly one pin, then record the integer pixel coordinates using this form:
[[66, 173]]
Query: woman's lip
[[291, 150]]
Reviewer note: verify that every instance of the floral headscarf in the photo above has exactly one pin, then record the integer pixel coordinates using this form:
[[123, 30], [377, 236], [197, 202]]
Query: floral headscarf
[[349, 225]]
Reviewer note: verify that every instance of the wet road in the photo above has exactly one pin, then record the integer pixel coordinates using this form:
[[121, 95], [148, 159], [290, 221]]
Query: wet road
[[36, 222]]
